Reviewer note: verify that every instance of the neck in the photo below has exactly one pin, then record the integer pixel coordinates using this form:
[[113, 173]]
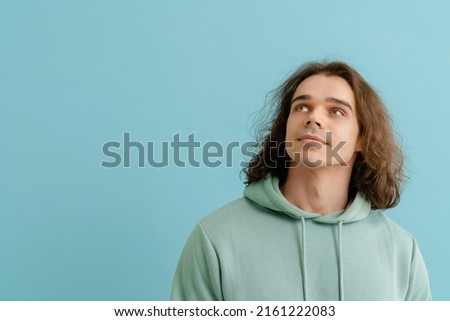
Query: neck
[[319, 190]]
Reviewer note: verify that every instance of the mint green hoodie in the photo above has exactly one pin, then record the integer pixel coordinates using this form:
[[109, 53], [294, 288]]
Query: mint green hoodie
[[261, 247]]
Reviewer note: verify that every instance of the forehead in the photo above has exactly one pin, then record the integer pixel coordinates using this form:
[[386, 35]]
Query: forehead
[[322, 86]]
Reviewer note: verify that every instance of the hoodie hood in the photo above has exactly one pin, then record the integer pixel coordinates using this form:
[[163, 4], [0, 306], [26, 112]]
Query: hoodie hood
[[266, 192]]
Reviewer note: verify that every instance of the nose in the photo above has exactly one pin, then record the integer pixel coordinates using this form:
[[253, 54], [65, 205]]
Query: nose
[[313, 121]]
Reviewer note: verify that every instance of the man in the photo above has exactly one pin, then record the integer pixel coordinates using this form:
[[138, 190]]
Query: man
[[311, 224]]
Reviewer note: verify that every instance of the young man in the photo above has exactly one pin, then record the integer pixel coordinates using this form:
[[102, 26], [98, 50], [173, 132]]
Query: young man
[[311, 224]]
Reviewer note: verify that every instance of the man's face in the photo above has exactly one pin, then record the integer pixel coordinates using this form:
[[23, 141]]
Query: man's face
[[322, 128]]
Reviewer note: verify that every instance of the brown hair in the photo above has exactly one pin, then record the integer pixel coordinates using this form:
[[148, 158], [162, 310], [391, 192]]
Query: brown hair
[[378, 169]]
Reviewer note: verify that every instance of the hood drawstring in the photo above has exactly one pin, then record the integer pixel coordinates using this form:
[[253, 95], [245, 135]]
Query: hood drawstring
[[340, 264], [304, 274]]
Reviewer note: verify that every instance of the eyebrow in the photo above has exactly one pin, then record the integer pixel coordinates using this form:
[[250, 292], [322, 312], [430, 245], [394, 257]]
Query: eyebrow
[[328, 99]]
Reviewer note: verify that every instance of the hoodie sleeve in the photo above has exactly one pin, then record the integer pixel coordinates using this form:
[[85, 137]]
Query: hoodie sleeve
[[419, 287], [197, 277]]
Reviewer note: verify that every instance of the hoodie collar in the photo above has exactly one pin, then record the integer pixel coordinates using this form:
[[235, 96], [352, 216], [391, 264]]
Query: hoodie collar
[[266, 192]]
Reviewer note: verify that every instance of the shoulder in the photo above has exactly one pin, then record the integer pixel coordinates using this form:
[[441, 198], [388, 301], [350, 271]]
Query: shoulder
[[238, 216], [390, 229], [235, 212]]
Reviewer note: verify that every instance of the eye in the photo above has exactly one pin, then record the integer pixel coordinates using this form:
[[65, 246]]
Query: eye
[[301, 108], [337, 112]]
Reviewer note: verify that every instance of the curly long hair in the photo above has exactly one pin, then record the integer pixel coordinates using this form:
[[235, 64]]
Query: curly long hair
[[378, 169]]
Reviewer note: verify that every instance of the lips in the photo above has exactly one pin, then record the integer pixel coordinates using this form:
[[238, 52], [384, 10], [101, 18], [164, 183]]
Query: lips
[[312, 138]]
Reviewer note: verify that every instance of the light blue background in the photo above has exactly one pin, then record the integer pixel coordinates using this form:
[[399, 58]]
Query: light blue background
[[76, 74]]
